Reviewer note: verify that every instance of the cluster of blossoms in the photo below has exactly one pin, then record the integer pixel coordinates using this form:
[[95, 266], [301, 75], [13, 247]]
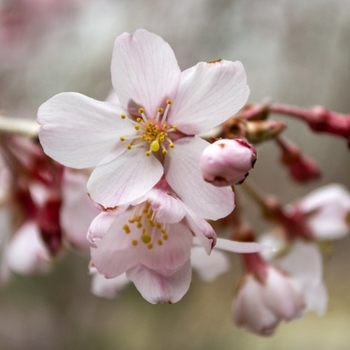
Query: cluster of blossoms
[[143, 147], [156, 174]]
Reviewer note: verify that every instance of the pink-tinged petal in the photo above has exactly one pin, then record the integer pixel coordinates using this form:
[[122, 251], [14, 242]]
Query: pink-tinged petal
[[113, 98], [26, 253], [204, 233], [99, 226], [208, 94], [111, 262], [144, 70], [77, 210], [183, 175], [304, 263], [114, 253], [327, 209], [107, 287], [123, 178], [167, 208], [156, 288], [209, 267], [237, 247], [79, 131], [167, 253]]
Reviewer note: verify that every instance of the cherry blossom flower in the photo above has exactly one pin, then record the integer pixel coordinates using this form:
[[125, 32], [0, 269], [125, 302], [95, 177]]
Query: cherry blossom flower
[[151, 131], [151, 242], [227, 162], [327, 211], [39, 204], [209, 267], [265, 298]]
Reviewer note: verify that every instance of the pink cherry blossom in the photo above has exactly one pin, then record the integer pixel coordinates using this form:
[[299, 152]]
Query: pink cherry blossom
[[327, 211], [149, 131], [151, 242], [227, 162], [261, 304], [26, 252]]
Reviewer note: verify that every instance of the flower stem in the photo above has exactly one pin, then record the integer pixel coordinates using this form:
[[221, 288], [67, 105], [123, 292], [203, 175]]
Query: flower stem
[[18, 126]]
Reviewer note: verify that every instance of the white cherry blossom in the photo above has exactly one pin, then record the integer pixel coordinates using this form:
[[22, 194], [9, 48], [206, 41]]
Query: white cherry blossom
[[149, 131]]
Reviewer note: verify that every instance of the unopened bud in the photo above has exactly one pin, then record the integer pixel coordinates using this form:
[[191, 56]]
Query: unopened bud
[[227, 162], [258, 131], [301, 168]]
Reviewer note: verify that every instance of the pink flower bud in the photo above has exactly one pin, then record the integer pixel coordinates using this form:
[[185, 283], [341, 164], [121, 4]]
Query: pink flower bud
[[261, 305], [227, 162]]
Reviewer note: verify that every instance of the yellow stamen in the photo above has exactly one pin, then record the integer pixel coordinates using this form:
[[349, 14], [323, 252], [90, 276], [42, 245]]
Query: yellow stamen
[[126, 228]]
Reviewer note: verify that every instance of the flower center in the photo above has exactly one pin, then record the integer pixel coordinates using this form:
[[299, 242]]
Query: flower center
[[154, 133], [147, 230]]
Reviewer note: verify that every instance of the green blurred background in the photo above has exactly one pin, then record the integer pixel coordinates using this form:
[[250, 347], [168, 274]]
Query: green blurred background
[[294, 52]]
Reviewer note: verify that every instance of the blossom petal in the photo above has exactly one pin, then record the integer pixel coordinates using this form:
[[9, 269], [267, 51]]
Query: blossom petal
[[331, 205], [76, 204], [114, 252], [79, 131], [156, 288], [108, 287], [209, 267], [304, 263], [120, 179], [167, 208], [100, 225], [172, 252], [144, 70], [208, 94], [26, 253], [184, 177], [204, 233], [238, 247]]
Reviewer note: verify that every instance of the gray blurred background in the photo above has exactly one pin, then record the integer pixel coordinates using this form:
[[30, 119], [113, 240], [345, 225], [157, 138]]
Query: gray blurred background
[[295, 52]]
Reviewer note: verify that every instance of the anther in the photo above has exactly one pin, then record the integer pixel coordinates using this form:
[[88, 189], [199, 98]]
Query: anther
[[122, 138], [123, 116], [126, 229], [134, 242]]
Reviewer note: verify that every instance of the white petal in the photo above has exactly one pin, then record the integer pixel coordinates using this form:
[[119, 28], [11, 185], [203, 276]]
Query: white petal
[[184, 177], [77, 210], [26, 253], [99, 226], [204, 233], [209, 267], [208, 95], [144, 70], [304, 263], [167, 208], [172, 253], [237, 247], [331, 205], [79, 131], [114, 253], [108, 287], [123, 178], [156, 288]]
